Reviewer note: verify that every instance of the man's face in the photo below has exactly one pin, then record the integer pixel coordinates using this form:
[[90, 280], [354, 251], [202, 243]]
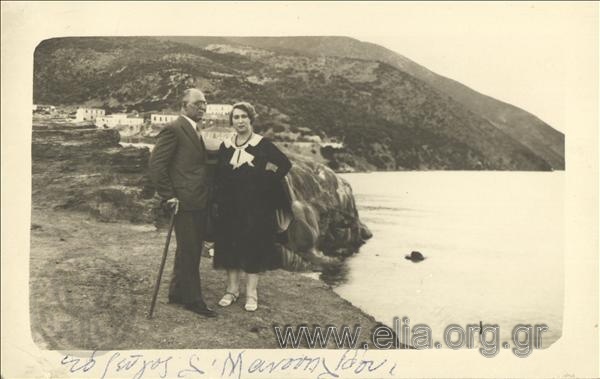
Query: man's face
[[195, 106]]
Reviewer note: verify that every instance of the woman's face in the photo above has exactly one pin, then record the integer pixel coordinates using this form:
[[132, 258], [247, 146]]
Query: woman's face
[[241, 121]]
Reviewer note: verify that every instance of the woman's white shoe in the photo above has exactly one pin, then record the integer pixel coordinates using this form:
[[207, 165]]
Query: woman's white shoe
[[251, 303], [228, 299]]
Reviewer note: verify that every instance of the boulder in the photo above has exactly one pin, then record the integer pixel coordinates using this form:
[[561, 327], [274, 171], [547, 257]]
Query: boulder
[[326, 227], [415, 257], [324, 204]]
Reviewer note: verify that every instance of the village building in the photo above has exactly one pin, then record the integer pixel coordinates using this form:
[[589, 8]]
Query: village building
[[333, 144], [88, 114], [218, 110], [118, 119], [162, 118], [217, 115], [40, 108]]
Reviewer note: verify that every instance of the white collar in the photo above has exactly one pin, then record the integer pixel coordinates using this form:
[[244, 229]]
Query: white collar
[[190, 121], [253, 141]]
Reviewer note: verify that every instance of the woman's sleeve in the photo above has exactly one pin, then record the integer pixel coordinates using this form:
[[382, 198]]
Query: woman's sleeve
[[279, 159]]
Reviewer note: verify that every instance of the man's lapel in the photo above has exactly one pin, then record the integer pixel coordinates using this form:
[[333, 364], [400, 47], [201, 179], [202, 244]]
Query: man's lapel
[[191, 134]]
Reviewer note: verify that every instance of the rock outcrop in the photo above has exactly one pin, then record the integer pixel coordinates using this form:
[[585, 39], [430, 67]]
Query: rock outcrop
[[80, 167], [84, 168], [325, 226], [324, 198]]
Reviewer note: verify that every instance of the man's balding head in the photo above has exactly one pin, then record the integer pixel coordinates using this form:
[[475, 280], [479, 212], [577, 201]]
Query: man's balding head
[[193, 104]]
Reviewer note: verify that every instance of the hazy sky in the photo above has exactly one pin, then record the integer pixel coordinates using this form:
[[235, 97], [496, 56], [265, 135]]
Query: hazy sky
[[513, 52], [516, 52]]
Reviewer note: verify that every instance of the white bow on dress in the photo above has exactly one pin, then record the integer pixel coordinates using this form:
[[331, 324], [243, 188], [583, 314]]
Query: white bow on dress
[[240, 155]]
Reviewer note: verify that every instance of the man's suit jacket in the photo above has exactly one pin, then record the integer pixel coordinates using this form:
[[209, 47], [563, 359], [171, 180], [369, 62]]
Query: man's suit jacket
[[179, 166]]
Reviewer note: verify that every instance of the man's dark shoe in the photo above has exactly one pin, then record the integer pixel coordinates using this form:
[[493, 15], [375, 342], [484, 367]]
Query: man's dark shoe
[[200, 309]]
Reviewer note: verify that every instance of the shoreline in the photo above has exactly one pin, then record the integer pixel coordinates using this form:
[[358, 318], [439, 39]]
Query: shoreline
[[91, 284]]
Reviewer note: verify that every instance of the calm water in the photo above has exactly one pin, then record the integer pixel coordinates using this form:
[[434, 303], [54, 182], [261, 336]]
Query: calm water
[[493, 243]]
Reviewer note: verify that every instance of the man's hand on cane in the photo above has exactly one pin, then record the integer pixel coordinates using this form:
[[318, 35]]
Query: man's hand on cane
[[173, 203]]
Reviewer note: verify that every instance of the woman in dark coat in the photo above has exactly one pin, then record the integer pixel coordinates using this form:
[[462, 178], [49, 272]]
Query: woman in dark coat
[[249, 172]]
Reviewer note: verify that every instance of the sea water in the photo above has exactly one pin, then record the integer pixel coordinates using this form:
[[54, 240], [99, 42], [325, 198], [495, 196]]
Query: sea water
[[493, 242]]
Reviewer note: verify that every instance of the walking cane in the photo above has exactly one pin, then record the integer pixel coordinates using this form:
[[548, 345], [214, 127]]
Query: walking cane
[[162, 263]]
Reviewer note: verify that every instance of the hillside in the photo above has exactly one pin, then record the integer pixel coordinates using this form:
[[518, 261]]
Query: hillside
[[522, 126], [385, 115]]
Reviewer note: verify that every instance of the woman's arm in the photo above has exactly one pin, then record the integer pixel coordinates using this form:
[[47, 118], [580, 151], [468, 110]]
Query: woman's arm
[[279, 159]]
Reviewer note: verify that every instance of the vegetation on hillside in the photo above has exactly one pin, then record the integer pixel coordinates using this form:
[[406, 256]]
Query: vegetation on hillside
[[383, 115]]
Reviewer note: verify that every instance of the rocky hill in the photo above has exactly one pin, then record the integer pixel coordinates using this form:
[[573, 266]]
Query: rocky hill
[[385, 114], [538, 136]]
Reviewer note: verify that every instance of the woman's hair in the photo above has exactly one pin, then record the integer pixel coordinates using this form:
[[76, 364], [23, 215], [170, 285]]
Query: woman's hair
[[246, 107]]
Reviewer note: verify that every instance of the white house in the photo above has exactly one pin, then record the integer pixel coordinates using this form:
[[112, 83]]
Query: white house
[[43, 108], [88, 114], [118, 119], [217, 115], [334, 144], [218, 110], [132, 121], [161, 118]]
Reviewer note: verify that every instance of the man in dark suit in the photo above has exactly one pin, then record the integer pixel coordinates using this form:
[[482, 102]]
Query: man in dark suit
[[179, 170]]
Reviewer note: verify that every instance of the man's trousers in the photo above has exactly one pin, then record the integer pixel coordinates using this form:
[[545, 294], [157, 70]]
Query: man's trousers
[[185, 281]]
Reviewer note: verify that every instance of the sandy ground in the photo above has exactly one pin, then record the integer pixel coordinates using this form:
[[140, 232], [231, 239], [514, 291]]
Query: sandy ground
[[91, 286]]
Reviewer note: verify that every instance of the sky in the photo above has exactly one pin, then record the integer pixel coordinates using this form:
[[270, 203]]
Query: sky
[[513, 52], [516, 52]]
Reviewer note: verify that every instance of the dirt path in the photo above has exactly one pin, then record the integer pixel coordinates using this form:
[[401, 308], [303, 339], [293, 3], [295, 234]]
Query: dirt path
[[91, 283]]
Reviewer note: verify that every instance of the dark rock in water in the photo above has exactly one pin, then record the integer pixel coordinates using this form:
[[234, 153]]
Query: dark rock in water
[[415, 256]]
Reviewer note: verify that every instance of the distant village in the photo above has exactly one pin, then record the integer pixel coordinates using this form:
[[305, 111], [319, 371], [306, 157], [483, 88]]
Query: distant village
[[216, 121], [215, 114]]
